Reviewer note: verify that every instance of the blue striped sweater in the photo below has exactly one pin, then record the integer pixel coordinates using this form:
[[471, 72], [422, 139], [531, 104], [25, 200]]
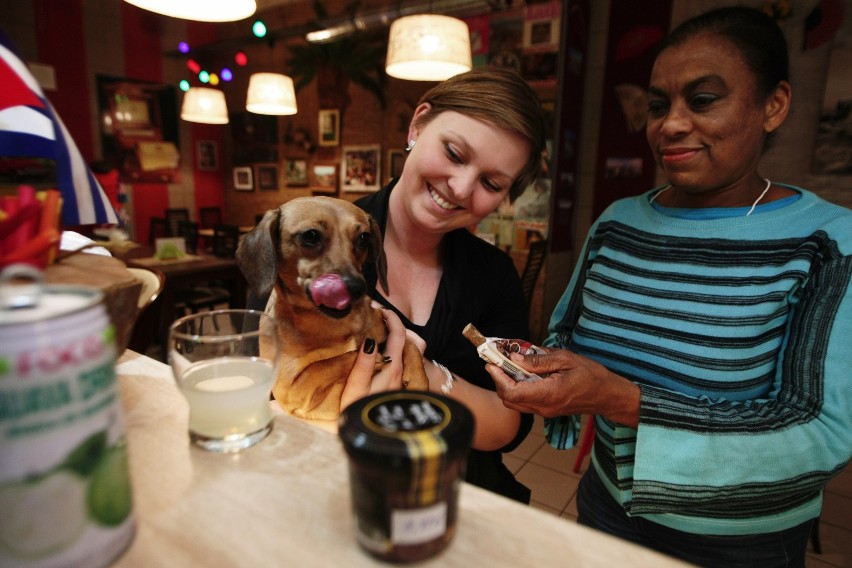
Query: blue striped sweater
[[738, 331]]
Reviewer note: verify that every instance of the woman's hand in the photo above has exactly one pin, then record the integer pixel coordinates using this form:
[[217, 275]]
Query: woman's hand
[[571, 384], [364, 379]]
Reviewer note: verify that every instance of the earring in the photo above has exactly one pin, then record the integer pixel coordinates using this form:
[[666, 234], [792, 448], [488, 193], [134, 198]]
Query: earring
[[410, 146]]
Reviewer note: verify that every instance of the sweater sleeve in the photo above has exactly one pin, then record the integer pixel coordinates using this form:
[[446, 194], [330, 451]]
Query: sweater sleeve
[[765, 455]]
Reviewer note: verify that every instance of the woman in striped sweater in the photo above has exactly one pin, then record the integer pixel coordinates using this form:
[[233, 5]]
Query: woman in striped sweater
[[708, 324]]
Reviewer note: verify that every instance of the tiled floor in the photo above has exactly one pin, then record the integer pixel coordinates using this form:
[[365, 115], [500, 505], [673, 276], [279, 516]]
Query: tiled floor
[[548, 473]]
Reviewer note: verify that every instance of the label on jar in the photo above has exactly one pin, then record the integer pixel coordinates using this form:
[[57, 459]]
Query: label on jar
[[414, 526]]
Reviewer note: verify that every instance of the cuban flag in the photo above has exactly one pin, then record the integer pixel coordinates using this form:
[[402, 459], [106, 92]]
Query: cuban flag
[[30, 128]]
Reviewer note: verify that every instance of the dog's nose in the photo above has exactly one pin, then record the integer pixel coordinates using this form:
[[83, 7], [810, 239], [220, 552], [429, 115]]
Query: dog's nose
[[355, 285]]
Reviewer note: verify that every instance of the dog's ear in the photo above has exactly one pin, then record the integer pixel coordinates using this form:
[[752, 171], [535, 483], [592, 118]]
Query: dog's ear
[[257, 254], [377, 255]]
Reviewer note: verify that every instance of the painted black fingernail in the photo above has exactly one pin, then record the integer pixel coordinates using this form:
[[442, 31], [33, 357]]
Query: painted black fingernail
[[387, 359], [369, 345]]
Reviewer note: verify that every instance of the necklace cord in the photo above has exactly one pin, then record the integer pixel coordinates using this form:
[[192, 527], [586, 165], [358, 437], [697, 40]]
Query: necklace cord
[[750, 211]]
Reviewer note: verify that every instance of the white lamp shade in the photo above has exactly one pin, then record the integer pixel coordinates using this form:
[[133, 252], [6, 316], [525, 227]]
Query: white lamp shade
[[428, 47], [205, 105], [200, 10], [271, 93]]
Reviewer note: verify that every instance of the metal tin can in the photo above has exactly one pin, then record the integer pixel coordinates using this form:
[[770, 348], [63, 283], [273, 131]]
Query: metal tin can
[[407, 458], [65, 492]]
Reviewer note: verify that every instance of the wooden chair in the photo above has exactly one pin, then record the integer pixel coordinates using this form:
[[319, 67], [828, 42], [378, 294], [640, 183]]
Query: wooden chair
[[532, 268], [148, 317], [175, 216], [189, 231], [225, 240], [209, 217], [157, 229]]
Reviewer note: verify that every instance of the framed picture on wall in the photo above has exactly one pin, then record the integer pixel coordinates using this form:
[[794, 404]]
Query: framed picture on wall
[[267, 176], [295, 173], [325, 178], [207, 155], [243, 179], [360, 168], [396, 158], [329, 127]]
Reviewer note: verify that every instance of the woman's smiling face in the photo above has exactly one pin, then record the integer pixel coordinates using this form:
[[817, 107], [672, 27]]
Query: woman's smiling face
[[706, 123], [459, 171]]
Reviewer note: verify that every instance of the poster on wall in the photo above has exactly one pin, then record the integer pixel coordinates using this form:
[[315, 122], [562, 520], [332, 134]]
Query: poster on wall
[[833, 147], [360, 168]]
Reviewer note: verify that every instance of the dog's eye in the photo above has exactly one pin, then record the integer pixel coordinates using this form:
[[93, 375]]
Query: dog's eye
[[311, 238], [364, 241]]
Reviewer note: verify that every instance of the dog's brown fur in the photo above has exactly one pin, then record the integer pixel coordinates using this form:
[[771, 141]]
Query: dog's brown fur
[[303, 239]]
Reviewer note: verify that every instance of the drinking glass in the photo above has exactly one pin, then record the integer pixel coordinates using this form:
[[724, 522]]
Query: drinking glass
[[225, 363]]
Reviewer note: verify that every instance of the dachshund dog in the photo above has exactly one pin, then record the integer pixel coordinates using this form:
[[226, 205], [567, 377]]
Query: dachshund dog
[[308, 253]]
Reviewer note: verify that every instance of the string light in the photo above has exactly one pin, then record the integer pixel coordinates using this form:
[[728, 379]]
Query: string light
[[226, 74], [258, 29], [183, 47], [184, 85]]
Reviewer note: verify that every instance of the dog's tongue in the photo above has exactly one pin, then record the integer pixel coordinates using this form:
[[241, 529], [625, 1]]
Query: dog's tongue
[[330, 290]]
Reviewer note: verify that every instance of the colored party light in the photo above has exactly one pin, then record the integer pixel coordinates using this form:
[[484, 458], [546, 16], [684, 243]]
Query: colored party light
[[258, 29], [214, 79], [183, 47], [241, 58], [226, 74], [193, 66], [204, 77], [184, 85]]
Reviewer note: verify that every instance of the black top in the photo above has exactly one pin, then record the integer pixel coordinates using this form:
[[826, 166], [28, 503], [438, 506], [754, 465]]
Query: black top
[[480, 285]]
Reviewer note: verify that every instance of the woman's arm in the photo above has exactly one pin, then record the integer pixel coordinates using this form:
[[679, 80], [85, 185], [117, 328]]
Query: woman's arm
[[496, 425]]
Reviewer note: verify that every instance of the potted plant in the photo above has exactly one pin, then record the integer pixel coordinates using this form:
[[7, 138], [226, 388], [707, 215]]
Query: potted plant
[[355, 58]]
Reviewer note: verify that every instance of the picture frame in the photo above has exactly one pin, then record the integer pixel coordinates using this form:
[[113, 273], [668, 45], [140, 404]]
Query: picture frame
[[360, 167], [295, 173], [267, 177], [243, 178], [207, 155], [324, 177], [395, 161], [329, 127]]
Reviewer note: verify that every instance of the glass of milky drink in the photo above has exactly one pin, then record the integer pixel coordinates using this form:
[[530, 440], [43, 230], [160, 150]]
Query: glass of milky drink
[[225, 363]]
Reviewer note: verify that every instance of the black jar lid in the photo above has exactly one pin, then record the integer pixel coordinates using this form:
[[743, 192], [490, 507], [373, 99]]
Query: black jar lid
[[396, 427]]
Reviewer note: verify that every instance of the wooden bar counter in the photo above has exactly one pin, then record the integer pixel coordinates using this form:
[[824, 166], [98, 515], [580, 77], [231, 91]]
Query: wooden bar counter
[[285, 502]]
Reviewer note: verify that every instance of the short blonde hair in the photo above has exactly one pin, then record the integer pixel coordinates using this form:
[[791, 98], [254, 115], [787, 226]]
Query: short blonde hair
[[498, 96]]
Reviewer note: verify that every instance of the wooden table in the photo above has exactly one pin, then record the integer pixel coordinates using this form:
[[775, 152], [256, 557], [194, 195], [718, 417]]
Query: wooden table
[[286, 502], [182, 275]]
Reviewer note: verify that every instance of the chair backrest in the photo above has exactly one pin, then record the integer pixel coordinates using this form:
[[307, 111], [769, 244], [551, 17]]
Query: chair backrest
[[189, 231], [532, 268], [152, 284], [175, 216], [225, 240], [209, 217], [158, 229]]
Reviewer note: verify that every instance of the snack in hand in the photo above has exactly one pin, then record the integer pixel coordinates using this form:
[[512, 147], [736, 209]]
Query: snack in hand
[[496, 350]]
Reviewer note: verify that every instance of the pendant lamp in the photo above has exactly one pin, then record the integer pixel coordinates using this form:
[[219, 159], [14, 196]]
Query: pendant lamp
[[205, 105], [200, 10], [271, 93], [428, 47]]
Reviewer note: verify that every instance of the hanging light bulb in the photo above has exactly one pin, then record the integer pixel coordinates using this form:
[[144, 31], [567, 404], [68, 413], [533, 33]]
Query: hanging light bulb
[[271, 93], [205, 105], [200, 10], [428, 47]]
